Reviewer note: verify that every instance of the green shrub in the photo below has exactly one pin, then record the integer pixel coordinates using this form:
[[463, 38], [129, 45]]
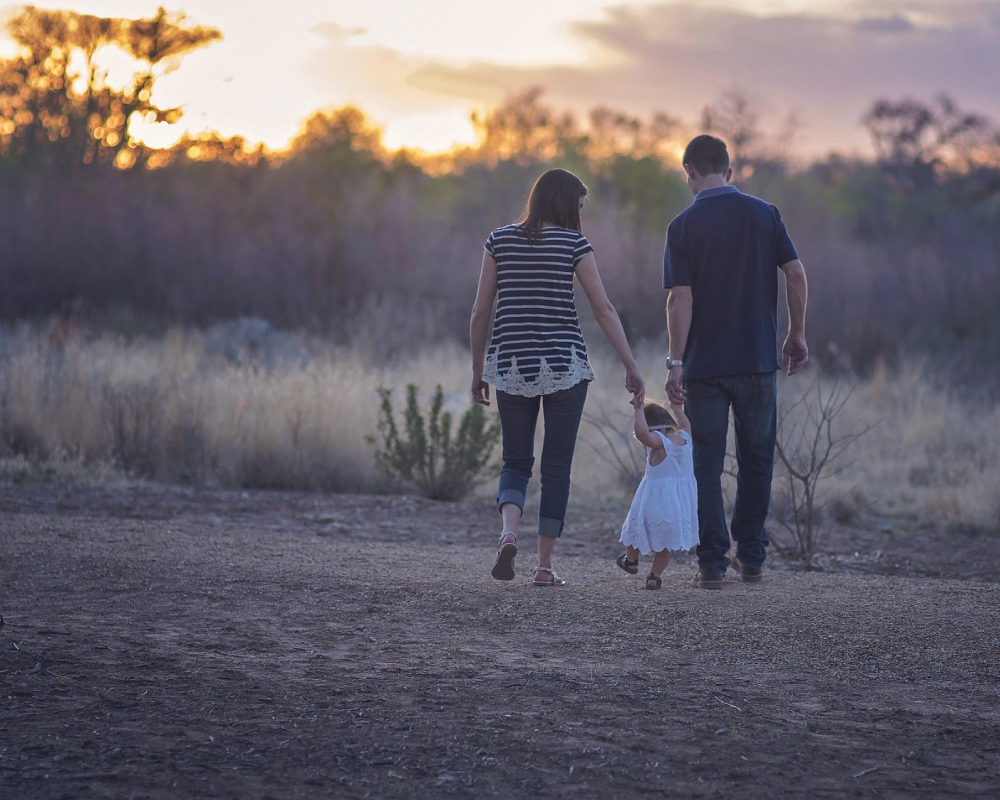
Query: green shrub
[[425, 455]]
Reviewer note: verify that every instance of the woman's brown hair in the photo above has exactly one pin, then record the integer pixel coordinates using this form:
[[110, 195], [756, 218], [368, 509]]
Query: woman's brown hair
[[555, 198]]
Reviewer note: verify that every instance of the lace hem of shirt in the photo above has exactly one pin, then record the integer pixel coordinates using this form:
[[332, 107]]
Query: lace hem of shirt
[[546, 382]]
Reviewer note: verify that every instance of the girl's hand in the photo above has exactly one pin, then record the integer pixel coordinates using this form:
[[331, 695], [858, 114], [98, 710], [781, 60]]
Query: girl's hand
[[635, 384], [480, 391]]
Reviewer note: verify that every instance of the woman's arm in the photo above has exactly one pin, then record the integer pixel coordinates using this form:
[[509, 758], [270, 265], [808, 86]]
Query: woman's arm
[[607, 318], [677, 409], [642, 431], [479, 326]]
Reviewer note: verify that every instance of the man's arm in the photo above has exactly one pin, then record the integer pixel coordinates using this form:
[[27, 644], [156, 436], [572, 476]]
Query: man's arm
[[795, 352], [679, 303]]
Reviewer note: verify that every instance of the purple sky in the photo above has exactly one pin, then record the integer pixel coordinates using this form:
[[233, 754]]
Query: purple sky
[[825, 68]]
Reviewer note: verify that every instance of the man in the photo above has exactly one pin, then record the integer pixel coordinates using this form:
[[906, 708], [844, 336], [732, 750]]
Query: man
[[721, 265]]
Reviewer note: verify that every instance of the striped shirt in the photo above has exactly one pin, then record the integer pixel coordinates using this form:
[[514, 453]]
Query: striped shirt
[[537, 346]]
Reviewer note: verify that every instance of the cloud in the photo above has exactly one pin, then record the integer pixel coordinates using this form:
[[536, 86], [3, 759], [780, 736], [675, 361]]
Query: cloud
[[826, 68], [331, 30], [347, 69], [892, 24]]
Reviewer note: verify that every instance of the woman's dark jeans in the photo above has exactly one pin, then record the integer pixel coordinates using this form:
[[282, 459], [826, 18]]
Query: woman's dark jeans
[[752, 400], [518, 416]]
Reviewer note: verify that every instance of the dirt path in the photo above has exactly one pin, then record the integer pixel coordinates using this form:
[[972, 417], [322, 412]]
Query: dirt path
[[162, 645]]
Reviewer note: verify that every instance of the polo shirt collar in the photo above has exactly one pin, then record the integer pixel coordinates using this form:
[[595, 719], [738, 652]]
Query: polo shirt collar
[[727, 189]]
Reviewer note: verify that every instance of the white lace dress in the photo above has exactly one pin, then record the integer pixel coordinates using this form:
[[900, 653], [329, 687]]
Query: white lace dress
[[664, 512]]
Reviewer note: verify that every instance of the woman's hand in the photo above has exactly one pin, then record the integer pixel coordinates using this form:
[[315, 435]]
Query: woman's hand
[[635, 384], [480, 390]]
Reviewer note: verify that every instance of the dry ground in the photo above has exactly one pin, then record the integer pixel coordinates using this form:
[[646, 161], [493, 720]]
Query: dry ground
[[160, 644]]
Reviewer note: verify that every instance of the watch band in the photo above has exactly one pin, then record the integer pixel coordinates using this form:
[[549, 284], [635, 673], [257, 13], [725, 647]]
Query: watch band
[[674, 362]]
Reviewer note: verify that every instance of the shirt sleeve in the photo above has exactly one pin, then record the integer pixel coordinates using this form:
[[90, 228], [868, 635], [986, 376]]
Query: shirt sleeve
[[490, 245], [581, 249], [676, 268], [785, 249]]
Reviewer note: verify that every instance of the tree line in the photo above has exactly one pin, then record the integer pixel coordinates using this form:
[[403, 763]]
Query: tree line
[[340, 236]]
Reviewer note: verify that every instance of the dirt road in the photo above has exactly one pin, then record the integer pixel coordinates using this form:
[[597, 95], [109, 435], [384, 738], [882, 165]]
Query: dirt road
[[159, 644]]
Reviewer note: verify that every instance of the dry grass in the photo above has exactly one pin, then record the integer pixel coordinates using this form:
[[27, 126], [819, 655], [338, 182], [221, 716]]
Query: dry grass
[[243, 406]]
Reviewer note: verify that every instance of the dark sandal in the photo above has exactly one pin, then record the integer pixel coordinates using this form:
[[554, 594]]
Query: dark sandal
[[503, 568], [652, 577], [631, 567]]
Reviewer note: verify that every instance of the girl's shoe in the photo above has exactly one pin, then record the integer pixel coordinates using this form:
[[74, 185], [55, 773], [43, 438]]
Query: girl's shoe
[[655, 580], [503, 569], [555, 581], [631, 567]]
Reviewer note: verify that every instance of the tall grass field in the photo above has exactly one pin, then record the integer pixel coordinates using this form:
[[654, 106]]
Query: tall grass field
[[244, 406]]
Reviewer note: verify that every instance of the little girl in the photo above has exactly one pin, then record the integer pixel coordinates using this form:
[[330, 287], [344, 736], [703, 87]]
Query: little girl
[[664, 513]]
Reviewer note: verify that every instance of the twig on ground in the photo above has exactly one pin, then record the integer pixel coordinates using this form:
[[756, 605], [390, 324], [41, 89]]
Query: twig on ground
[[728, 704], [864, 772], [90, 776], [67, 678]]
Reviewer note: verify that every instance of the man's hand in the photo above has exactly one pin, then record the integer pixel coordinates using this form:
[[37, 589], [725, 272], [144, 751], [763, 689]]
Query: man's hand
[[675, 385], [795, 353], [480, 391]]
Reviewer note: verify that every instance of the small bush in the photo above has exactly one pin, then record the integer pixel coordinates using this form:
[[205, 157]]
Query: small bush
[[132, 413], [429, 458], [810, 450], [189, 452]]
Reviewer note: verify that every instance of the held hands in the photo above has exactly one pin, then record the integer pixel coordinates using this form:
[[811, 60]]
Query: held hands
[[795, 353], [480, 390], [675, 386], [635, 384]]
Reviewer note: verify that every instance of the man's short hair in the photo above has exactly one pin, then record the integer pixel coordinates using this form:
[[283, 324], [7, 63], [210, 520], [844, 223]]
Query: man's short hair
[[707, 154]]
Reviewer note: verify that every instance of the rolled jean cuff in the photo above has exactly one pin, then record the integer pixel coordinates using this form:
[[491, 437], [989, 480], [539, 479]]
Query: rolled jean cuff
[[550, 527], [510, 496]]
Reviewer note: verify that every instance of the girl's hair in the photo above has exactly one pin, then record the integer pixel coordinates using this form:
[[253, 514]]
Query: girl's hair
[[657, 415], [554, 198]]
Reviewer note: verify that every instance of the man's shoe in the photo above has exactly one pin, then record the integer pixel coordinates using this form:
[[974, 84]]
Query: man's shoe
[[706, 579], [747, 573]]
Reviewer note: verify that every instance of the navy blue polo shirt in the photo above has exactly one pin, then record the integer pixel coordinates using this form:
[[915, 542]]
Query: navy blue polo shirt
[[727, 246]]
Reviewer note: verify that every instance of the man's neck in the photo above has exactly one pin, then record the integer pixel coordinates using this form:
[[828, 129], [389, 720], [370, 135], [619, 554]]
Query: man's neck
[[709, 182]]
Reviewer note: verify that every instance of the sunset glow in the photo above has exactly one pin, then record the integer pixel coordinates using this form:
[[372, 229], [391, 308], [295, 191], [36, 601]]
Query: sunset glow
[[419, 69]]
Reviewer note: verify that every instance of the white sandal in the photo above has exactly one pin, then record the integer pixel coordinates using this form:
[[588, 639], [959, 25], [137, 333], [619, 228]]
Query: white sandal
[[556, 580]]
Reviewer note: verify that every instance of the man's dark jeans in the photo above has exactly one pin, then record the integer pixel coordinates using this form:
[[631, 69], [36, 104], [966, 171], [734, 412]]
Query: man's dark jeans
[[518, 416], [752, 399]]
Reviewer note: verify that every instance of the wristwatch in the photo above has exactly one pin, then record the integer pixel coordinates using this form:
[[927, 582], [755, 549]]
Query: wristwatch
[[674, 362]]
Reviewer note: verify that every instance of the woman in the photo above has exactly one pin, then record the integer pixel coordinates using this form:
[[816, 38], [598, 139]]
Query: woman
[[537, 356]]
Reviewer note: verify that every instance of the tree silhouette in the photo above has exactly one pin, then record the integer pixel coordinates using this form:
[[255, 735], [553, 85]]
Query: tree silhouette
[[736, 117], [524, 130], [56, 106], [913, 140]]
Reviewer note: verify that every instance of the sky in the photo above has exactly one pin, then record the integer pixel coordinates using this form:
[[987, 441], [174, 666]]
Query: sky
[[418, 68]]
